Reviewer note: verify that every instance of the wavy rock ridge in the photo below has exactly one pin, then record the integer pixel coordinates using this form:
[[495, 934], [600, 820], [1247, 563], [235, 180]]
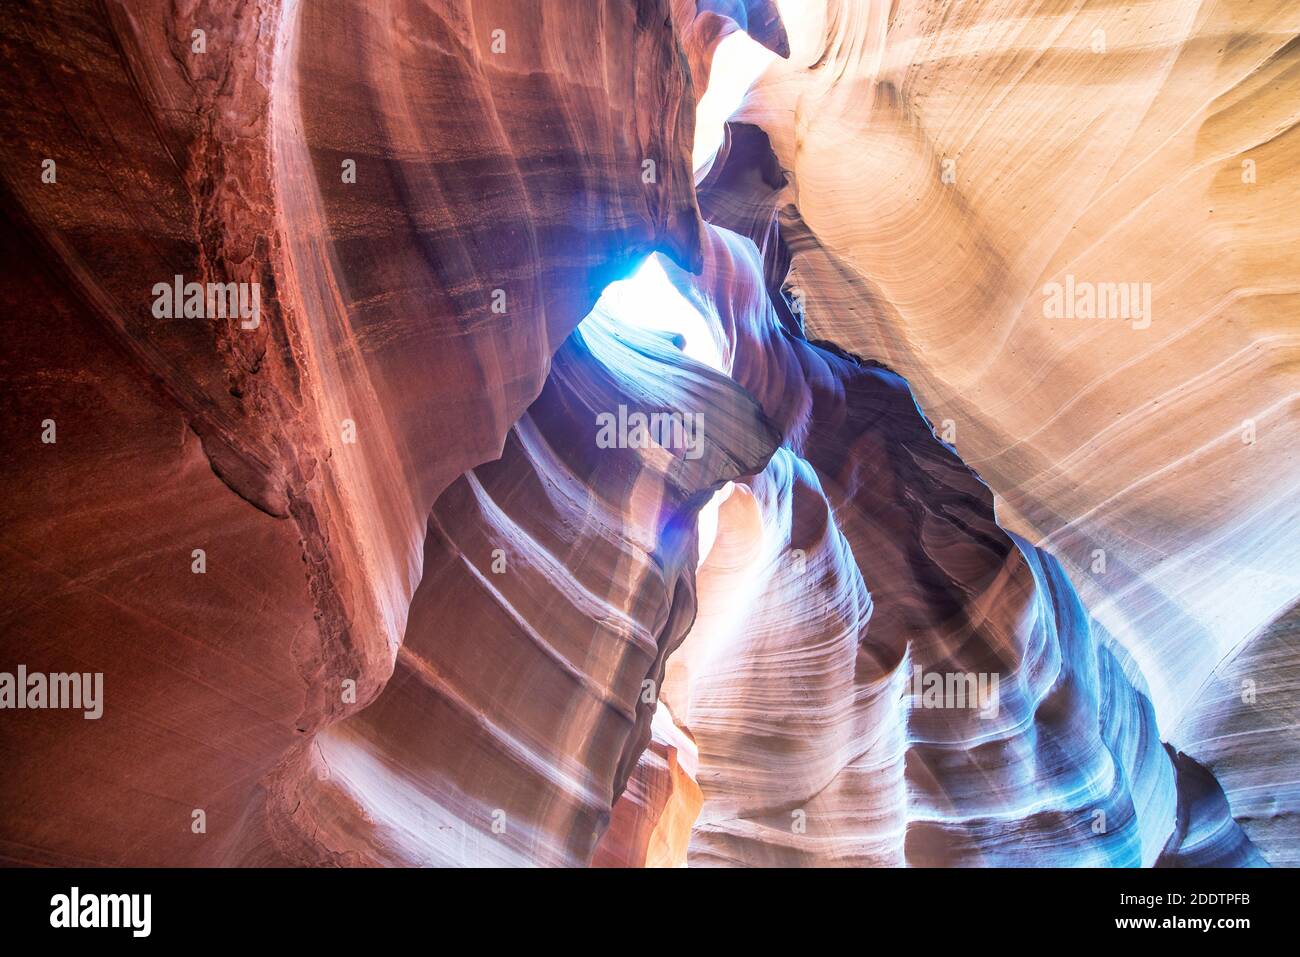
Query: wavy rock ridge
[[442, 621]]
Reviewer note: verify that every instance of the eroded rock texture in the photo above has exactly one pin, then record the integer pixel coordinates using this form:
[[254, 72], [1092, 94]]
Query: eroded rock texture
[[228, 164], [942, 195], [368, 583]]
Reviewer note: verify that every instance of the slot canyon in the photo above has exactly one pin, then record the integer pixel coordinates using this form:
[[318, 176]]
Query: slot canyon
[[650, 433]]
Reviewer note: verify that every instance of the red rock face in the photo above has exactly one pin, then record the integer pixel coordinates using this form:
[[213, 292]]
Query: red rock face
[[367, 583], [309, 148]]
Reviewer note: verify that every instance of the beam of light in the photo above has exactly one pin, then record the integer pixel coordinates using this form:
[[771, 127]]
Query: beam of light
[[648, 300], [737, 63]]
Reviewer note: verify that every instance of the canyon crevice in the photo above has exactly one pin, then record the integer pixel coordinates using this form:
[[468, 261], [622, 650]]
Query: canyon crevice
[[444, 558]]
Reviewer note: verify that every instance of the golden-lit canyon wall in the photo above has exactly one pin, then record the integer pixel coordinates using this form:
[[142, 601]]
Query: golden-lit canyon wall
[[437, 551]]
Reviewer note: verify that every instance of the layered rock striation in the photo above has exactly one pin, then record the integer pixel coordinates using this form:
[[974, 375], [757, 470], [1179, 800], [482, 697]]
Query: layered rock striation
[[437, 557]]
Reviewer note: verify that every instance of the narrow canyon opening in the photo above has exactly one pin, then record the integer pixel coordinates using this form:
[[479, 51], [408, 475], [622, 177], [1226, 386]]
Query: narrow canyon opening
[[606, 475]]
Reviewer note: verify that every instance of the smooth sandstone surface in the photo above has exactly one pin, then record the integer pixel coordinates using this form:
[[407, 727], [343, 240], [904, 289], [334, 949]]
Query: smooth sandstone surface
[[303, 455], [441, 623], [952, 161]]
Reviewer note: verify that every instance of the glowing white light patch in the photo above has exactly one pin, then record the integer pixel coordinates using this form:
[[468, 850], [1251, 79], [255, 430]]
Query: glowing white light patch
[[737, 63], [648, 300]]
